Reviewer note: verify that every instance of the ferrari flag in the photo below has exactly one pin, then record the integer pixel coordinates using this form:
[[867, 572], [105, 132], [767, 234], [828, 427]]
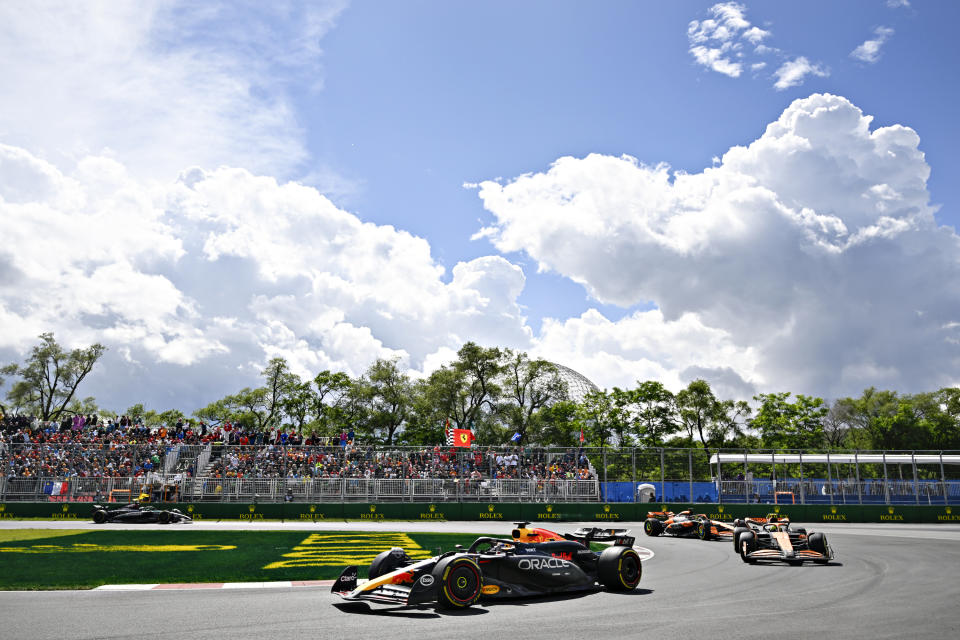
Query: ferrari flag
[[462, 437]]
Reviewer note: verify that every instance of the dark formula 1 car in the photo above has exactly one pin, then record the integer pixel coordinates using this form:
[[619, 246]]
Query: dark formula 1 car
[[135, 512], [495, 568], [775, 540]]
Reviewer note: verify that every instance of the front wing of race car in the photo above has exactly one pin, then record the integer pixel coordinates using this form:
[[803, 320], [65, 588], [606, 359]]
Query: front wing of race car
[[413, 584], [778, 546]]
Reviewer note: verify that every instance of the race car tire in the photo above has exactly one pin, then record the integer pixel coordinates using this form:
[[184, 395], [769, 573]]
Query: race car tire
[[818, 542], [704, 530], [737, 531], [460, 580], [99, 516], [388, 561], [652, 527], [748, 544], [619, 569], [163, 517]]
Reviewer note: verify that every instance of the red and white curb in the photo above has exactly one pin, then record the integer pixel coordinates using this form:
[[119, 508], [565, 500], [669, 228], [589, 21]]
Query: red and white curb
[[284, 584], [644, 553]]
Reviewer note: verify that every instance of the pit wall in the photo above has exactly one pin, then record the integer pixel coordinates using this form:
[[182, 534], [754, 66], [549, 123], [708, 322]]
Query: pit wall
[[499, 511]]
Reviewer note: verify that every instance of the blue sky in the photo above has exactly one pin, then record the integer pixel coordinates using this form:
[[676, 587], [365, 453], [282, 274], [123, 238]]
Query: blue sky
[[756, 193], [421, 97]]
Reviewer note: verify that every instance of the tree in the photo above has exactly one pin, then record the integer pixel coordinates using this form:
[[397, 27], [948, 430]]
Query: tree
[[601, 417], [50, 376], [529, 385], [700, 411], [466, 392], [478, 369], [298, 403], [653, 411], [389, 393], [333, 407], [280, 384], [790, 425], [556, 425]]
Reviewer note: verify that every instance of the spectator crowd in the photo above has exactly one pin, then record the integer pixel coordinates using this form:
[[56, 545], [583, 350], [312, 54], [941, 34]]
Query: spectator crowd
[[92, 446]]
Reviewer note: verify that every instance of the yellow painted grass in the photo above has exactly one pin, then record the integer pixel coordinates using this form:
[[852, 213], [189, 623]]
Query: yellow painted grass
[[16, 535]]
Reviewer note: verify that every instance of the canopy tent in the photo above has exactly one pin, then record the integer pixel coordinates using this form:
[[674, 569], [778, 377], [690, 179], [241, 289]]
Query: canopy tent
[[836, 458]]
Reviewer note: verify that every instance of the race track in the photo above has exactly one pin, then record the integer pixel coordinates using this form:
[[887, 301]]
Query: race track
[[888, 581]]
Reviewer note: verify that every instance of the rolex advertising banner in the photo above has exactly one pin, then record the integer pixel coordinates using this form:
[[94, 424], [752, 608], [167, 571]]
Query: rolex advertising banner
[[506, 512]]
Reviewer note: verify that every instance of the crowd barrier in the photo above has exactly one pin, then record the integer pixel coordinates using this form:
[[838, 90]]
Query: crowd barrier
[[505, 512]]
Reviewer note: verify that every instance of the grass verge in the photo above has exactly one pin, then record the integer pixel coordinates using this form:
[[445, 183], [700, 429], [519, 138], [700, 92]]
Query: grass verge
[[37, 559]]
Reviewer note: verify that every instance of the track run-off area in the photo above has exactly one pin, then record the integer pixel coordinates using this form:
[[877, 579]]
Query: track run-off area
[[887, 581]]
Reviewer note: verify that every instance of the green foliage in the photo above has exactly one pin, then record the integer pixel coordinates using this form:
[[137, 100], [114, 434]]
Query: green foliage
[[498, 392], [790, 425], [529, 386], [50, 376]]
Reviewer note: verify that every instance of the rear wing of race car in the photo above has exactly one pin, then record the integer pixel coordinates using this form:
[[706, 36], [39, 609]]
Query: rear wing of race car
[[586, 535]]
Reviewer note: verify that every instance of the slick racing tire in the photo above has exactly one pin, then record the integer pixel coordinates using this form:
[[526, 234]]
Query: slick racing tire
[[164, 517], [748, 544], [460, 580], [652, 527], [737, 532], [619, 569], [388, 561], [704, 530], [818, 542], [99, 516]]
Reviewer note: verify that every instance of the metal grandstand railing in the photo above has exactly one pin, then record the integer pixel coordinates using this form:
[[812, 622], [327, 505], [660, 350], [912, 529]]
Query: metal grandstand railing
[[208, 489], [220, 472]]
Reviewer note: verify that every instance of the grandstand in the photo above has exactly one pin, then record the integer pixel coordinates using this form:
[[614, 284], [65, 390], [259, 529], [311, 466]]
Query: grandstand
[[119, 468]]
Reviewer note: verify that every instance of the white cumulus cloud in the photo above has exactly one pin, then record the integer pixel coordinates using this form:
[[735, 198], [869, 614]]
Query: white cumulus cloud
[[193, 284], [159, 85], [794, 72], [811, 256], [869, 51]]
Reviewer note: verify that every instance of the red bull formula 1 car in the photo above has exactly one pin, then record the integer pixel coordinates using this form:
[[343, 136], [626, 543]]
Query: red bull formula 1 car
[[773, 539], [533, 562]]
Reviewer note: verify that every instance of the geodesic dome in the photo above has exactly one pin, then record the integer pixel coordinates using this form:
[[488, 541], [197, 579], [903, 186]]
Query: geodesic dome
[[578, 385]]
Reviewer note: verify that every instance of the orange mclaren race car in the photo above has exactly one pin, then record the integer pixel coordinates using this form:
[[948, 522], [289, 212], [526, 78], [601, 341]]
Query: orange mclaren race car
[[720, 530], [775, 540], [683, 524], [690, 524], [533, 562]]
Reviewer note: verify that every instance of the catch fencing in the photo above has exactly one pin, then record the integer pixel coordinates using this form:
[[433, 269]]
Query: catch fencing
[[329, 473]]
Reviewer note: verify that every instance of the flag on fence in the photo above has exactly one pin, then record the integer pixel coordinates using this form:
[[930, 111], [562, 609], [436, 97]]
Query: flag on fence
[[448, 434], [516, 437], [462, 437], [581, 435], [56, 488]]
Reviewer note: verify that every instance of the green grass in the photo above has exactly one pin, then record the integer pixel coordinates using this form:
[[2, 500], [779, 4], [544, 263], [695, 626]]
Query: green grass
[[80, 559], [36, 559]]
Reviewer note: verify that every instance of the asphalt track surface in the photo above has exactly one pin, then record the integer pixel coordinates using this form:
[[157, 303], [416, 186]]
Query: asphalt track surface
[[888, 581]]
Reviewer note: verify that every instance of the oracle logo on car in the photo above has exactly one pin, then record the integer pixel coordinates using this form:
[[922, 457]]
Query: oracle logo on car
[[542, 563]]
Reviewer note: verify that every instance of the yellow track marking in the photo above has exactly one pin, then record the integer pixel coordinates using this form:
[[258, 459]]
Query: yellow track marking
[[15, 535]]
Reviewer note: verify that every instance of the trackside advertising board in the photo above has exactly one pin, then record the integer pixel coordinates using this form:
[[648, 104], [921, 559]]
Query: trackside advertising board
[[506, 512]]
